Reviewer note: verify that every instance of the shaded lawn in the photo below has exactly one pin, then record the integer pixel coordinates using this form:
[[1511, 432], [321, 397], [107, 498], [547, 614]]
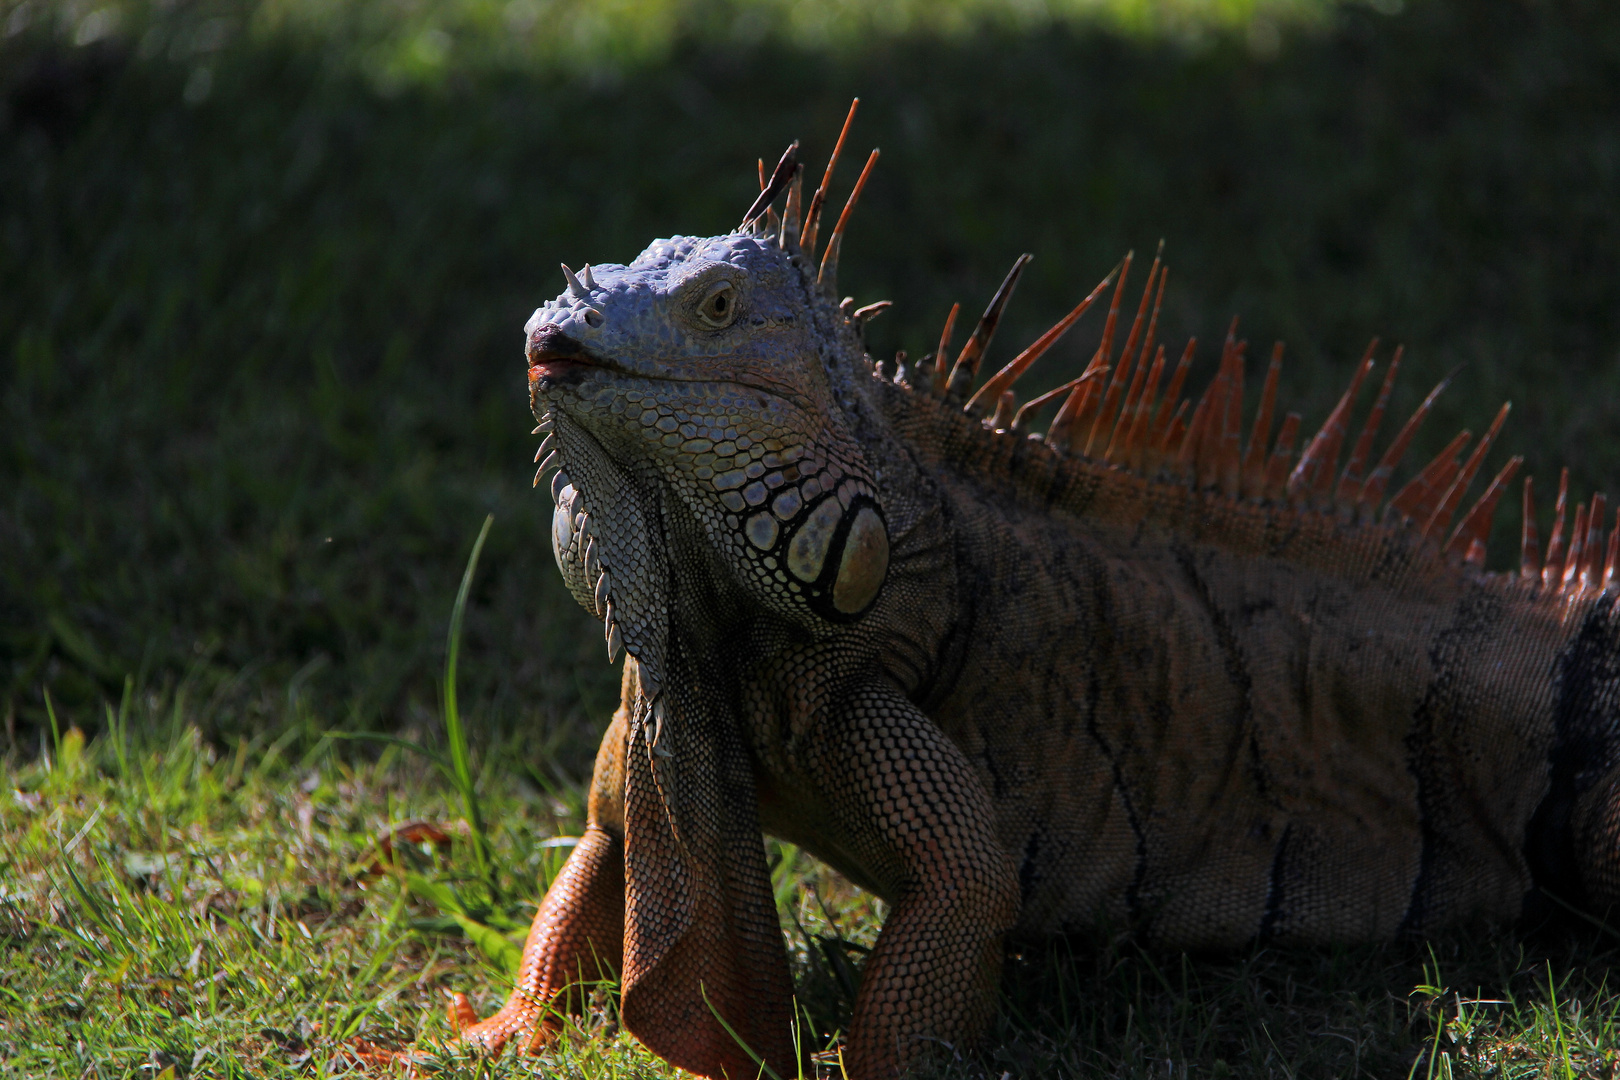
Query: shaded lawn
[[259, 347]]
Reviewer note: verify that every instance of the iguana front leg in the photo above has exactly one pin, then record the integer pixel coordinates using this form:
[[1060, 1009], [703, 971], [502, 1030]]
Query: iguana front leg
[[578, 934], [910, 808]]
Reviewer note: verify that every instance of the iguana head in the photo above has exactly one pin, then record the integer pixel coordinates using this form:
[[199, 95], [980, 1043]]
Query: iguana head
[[706, 375]]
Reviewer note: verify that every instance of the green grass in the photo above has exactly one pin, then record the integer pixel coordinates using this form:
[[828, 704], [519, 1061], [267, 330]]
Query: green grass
[[168, 904]]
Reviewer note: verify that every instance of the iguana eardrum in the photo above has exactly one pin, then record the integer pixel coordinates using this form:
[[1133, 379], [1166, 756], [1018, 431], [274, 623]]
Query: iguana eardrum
[[1135, 668]]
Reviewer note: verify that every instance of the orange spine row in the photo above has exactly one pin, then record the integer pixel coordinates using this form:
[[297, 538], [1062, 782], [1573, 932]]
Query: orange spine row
[[1114, 409]]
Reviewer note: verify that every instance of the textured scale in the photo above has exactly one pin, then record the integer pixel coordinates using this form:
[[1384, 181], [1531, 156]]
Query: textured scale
[[1129, 669]]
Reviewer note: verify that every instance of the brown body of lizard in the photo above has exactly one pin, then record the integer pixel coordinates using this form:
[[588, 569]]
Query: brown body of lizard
[[1128, 672]]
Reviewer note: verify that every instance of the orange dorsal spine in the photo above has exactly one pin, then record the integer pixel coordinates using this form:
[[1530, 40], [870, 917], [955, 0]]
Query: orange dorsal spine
[[1592, 564], [1281, 455], [1163, 419], [1127, 415], [1553, 573], [967, 361], [1529, 538], [1350, 481], [1125, 369], [940, 370], [1372, 492], [1314, 473], [812, 216], [1577, 549], [1476, 524], [1422, 494], [1003, 380], [1613, 553], [1137, 439], [1448, 505], [1254, 461], [1155, 438]]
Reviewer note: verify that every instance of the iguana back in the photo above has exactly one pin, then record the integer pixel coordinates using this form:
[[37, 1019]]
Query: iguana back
[[1237, 721]]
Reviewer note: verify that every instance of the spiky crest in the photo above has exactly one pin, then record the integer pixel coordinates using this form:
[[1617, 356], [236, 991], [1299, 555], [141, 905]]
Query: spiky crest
[[1112, 423]]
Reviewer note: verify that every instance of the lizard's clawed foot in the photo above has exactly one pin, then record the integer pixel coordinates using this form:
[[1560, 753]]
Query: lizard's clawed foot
[[508, 1025]]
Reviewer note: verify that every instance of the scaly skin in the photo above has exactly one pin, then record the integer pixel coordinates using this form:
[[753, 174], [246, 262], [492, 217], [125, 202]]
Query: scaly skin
[[1005, 687]]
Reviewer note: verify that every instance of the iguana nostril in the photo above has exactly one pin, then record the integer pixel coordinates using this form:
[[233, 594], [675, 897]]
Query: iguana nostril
[[594, 318], [548, 342]]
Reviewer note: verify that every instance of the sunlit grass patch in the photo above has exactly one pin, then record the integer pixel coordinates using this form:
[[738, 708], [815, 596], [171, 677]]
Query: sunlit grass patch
[[225, 912], [165, 904]]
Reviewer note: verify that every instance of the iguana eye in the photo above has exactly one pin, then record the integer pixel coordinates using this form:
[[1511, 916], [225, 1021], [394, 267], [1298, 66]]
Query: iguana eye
[[718, 306]]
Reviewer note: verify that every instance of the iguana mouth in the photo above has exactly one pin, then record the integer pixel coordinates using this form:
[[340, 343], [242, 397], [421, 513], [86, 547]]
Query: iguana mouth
[[553, 355], [556, 359]]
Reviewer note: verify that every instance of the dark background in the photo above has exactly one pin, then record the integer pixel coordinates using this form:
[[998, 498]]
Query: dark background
[[261, 292]]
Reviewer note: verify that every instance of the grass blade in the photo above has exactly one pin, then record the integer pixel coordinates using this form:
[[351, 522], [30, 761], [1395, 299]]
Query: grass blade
[[455, 733]]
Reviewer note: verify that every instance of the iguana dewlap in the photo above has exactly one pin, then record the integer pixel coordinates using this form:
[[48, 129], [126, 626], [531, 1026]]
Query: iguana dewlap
[[1143, 667]]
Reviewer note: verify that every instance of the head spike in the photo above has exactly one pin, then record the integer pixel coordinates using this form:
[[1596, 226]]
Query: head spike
[[827, 276], [944, 348], [1036, 402], [1003, 379], [1529, 537], [789, 239], [1282, 455], [587, 279], [812, 216], [1106, 416], [1553, 573], [1372, 492], [1476, 524], [780, 178], [1254, 460], [576, 288], [1136, 439], [966, 368], [1350, 480], [1313, 476], [1577, 550], [1423, 493], [1436, 525]]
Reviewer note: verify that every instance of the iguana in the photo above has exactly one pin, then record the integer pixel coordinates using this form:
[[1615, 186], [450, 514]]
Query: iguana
[[1131, 668]]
